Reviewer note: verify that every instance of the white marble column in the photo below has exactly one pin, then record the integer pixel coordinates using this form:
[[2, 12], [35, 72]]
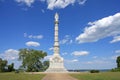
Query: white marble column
[[56, 61], [56, 40]]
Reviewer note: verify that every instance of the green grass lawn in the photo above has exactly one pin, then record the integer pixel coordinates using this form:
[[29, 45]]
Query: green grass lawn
[[98, 76], [20, 76]]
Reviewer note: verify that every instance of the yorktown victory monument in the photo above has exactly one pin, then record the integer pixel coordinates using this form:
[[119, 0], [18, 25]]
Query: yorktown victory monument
[[56, 61]]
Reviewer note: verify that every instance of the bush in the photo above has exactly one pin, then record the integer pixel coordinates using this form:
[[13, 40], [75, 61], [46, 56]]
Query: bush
[[94, 71], [16, 71], [115, 70]]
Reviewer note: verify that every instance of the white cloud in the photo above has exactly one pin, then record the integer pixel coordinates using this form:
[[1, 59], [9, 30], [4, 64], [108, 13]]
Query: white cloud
[[63, 3], [48, 57], [10, 54], [115, 39], [59, 3], [43, 11], [82, 1], [32, 43], [66, 40], [117, 51], [97, 62], [51, 48], [105, 27], [74, 60], [33, 36], [52, 4], [80, 53], [27, 2], [71, 61]]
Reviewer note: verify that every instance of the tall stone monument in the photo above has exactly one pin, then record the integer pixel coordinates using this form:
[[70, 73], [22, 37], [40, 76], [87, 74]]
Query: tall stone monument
[[56, 61]]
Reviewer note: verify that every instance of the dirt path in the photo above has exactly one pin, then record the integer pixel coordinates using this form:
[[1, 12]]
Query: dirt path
[[58, 76]]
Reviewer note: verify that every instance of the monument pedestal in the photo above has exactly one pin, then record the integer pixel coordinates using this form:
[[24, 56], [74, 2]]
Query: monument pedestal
[[56, 64]]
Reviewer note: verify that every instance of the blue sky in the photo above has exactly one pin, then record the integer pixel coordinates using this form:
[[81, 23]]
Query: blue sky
[[89, 30]]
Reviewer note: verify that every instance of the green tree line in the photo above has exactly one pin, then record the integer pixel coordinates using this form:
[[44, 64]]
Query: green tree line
[[4, 67]]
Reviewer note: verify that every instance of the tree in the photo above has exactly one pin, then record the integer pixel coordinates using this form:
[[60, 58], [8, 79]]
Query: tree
[[46, 64], [32, 59], [3, 65], [11, 67], [94, 71], [118, 62]]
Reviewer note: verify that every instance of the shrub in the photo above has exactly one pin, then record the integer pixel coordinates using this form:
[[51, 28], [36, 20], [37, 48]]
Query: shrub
[[94, 71], [16, 71], [115, 70]]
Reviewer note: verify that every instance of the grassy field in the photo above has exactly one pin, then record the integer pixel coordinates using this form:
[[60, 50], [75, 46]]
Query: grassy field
[[80, 76], [98, 76], [20, 76]]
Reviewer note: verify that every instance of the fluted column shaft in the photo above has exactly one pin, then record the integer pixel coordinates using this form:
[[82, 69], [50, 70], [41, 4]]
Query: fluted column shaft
[[56, 39]]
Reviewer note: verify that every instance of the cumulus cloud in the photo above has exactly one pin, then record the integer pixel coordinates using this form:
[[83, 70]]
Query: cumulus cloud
[[32, 43], [59, 3], [67, 40], [105, 27], [115, 39], [62, 3], [33, 36], [27, 2], [52, 4], [80, 53], [10, 54]]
